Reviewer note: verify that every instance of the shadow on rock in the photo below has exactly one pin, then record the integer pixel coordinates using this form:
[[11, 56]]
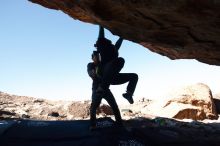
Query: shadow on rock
[[136, 132]]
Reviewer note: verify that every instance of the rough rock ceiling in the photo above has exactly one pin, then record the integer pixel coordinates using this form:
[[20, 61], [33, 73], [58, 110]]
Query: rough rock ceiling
[[178, 29]]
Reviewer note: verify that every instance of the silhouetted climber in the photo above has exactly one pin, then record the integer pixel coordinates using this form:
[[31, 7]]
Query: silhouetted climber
[[94, 73], [111, 65]]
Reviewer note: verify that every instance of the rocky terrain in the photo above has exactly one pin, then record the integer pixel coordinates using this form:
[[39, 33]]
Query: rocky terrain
[[194, 102], [19, 107], [178, 29], [189, 117]]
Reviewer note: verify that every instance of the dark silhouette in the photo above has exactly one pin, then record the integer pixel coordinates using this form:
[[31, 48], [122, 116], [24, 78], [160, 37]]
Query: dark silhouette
[[142, 132], [104, 70], [111, 65], [94, 73]]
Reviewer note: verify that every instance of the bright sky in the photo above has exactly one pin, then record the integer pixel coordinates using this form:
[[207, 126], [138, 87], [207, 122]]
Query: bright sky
[[44, 53]]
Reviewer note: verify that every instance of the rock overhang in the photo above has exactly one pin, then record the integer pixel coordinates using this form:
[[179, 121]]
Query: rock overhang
[[178, 29]]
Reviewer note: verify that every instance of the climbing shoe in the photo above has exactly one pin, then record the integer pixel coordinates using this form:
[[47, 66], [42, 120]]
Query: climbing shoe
[[128, 96]]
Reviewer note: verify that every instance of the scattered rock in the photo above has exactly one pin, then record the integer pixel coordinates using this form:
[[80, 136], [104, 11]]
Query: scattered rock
[[104, 109], [25, 116], [127, 112], [39, 100], [78, 109], [54, 114], [6, 113]]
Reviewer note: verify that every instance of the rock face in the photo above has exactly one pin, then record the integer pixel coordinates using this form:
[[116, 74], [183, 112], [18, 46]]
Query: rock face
[[136, 132], [178, 29], [192, 102], [217, 102]]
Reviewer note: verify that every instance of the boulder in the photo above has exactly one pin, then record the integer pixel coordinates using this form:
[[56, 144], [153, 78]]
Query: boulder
[[54, 114], [79, 110], [178, 29], [192, 102], [217, 102], [104, 109]]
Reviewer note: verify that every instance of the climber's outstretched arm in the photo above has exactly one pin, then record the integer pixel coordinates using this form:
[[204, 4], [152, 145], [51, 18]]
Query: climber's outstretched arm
[[118, 43], [101, 32]]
